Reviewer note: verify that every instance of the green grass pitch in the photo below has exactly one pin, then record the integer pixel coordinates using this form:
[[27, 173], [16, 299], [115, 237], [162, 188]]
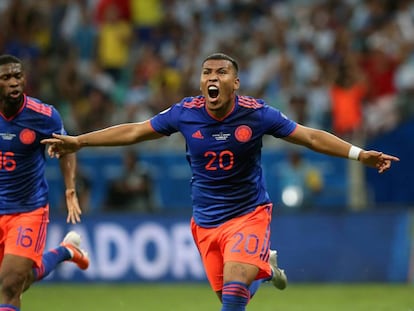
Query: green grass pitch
[[190, 297]]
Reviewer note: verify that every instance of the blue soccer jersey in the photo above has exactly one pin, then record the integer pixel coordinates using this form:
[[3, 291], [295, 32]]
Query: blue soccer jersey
[[23, 186], [224, 155]]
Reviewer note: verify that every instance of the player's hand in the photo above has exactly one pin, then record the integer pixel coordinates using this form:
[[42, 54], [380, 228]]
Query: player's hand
[[72, 204], [61, 145], [378, 160]]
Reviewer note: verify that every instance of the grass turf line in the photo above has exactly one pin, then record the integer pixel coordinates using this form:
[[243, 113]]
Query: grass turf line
[[190, 297]]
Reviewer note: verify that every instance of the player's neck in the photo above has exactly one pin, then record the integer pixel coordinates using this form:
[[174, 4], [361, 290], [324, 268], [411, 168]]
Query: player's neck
[[223, 111], [9, 108]]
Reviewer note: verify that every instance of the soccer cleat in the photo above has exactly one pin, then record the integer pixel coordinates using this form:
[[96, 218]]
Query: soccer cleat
[[279, 278], [72, 244]]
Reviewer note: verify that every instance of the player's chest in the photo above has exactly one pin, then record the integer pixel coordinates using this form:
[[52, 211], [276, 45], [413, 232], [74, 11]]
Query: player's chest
[[17, 138], [237, 138]]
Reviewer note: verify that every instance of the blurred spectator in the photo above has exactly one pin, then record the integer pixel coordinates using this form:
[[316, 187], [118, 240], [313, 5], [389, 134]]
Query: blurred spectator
[[146, 16], [319, 104], [83, 36], [297, 108], [137, 100], [99, 110], [123, 8], [165, 85], [83, 189], [18, 30], [347, 94], [404, 81], [114, 42], [280, 89], [380, 64], [300, 181], [69, 82], [133, 190]]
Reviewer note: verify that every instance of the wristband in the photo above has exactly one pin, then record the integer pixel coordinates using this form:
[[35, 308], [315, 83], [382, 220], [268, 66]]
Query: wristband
[[354, 153]]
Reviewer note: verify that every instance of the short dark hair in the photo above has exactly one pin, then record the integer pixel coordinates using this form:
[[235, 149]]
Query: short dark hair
[[9, 59], [225, 57]]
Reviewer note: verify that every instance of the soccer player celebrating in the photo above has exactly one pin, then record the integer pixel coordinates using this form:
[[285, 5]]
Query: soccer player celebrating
[[24, 208], [231, 207]]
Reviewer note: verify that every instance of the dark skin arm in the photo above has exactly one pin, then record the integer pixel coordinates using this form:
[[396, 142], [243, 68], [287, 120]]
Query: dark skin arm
[[131, 133], [118, 135], [68, 168], [329, 144]]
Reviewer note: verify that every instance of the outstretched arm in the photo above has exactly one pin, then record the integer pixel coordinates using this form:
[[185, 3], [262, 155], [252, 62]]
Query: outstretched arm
[[117, 135], [68, 169], [327, 143]]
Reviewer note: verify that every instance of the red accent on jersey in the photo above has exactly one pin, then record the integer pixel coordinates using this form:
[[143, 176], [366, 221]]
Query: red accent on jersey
[[7, 161], [27, 136], [197, 135], [39, 107], [195, 103], [249, 102]]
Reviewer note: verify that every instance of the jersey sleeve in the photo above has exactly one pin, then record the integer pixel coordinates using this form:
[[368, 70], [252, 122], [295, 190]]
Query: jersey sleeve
[[54, 124], [166, 122], [276, 123]]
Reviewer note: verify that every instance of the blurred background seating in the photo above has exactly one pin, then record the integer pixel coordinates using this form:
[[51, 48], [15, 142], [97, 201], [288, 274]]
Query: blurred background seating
[[102, 62]]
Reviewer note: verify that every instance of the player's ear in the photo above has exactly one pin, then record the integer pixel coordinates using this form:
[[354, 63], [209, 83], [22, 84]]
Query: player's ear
[[236, 84]]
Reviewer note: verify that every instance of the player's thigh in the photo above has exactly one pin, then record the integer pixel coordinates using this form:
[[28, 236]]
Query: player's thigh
[[213, 266], [210, 253], [26, 235], [248, 241], [239, 272], [2, 236], [15, 269], [1, 253]]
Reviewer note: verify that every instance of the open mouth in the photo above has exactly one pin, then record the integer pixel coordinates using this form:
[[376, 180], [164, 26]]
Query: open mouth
[[15, 93], [213, 91]]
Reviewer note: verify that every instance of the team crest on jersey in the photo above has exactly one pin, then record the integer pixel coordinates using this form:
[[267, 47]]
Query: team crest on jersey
[[243, 133], [27, 136]]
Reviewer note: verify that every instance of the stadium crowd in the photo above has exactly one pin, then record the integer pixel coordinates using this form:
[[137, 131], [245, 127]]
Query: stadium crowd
[[345, 66]]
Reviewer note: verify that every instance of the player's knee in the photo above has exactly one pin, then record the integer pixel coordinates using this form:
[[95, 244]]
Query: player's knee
[[12, 285], [237, 272]]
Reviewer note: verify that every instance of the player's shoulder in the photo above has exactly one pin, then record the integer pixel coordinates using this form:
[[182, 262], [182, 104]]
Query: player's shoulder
[[250, 102], [193, 102], [38, 107]]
